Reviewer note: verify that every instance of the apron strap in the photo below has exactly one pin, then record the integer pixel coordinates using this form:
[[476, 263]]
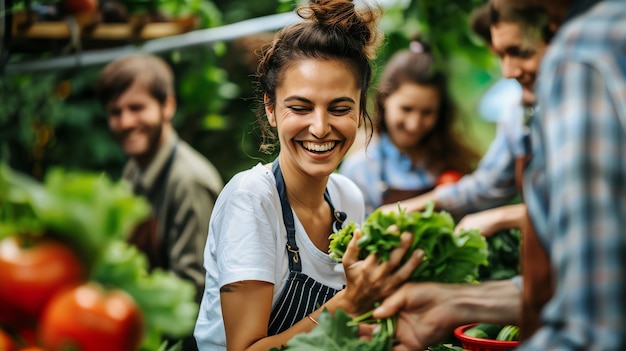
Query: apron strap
[[292, 248]]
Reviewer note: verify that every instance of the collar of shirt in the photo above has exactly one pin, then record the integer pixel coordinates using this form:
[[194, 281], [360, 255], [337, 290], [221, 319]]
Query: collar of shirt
[[146, 179], [391, 153]]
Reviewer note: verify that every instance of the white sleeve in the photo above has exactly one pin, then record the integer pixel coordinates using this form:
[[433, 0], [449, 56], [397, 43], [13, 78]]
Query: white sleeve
[[244, 237]]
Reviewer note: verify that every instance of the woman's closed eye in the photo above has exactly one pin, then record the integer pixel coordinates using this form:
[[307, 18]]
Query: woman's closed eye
[[300, 109], [340, 111], [337, 111]]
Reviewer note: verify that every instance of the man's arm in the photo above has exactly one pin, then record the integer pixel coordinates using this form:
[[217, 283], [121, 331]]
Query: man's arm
[[429, 312], [491, 184]]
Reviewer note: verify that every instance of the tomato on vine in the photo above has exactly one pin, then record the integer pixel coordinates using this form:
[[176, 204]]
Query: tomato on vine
[[33, 270], [90, 318]]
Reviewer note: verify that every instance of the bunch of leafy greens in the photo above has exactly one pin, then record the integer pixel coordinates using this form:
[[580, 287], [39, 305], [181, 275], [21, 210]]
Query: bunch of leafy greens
[[504, 253], [94, 215], [448, 258]]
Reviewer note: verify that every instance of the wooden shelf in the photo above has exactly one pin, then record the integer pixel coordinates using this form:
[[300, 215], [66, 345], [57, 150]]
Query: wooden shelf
[[91, 28]]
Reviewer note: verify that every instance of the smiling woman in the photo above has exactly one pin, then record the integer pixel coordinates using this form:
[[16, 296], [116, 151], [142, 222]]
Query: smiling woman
[[269, 273], [316, 122], [417, 140]]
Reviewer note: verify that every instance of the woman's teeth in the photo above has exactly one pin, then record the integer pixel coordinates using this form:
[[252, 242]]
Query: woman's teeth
[[315, 147]]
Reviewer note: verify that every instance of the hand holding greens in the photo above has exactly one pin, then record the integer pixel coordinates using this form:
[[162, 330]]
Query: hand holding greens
[[448, 258]]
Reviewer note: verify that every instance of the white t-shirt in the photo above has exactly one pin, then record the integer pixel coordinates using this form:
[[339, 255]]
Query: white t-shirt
[[247, 240]]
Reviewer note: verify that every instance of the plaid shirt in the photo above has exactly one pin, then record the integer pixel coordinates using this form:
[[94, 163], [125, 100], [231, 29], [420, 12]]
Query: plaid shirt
[[575, 184], [492, 184]]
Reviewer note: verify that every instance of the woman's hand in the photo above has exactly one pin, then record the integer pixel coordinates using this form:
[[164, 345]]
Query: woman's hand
[[491, 221], [368, 281]]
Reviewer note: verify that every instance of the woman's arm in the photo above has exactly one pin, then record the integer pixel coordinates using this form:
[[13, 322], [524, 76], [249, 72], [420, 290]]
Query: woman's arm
[[247, 305], [494, 220]]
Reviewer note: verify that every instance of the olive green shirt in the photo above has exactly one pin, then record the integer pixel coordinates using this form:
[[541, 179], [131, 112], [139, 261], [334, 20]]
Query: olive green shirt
[[182, 189]]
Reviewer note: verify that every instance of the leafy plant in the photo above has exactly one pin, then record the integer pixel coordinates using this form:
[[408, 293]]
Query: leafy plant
[[334, 333], [504, 253], [448, 257], [93, 215]]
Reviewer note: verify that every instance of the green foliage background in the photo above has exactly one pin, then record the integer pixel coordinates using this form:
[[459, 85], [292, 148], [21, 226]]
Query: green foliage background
[[52, 119]]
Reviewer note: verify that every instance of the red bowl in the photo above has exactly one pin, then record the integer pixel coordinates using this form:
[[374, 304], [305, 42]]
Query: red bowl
[[479, 344]]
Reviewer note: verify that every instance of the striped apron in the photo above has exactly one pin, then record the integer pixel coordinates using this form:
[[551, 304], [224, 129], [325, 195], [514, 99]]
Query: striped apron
[[302, 294]]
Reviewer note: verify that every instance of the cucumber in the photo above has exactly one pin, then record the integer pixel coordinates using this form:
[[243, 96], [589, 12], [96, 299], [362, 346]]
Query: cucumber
[[476, 333], [508, 333], [484, 330]]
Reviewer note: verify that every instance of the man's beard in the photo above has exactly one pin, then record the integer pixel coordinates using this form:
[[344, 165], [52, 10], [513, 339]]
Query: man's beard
[[153, 134]]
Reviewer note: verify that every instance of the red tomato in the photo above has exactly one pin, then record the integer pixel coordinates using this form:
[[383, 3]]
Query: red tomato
[[449, 176], [6, 342], [31, 348], [89, 318], [32, 273]]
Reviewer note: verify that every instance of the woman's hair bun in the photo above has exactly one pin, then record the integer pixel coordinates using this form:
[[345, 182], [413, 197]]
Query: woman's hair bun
[[345, 17], [332, 12]]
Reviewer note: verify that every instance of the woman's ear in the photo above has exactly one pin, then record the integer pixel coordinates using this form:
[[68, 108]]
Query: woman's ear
[[269, 110]]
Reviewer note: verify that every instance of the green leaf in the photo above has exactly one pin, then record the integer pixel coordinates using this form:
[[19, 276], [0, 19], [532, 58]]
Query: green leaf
[[94, 216], [334, 334], [448, 257], [166, 300], [86, 210]]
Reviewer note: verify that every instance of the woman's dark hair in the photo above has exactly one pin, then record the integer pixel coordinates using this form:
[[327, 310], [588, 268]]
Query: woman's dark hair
[[443, 148], [330, 30], [152, 72]]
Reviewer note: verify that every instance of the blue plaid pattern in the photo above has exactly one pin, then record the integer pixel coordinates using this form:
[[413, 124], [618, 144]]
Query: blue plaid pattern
[[575, 184]]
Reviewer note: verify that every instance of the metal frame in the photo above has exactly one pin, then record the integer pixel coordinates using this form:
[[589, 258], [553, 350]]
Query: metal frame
[[190, 39]]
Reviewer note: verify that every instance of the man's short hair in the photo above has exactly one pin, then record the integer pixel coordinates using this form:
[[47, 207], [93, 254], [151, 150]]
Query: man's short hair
[[480, 22], [533, 21], [152, 72]]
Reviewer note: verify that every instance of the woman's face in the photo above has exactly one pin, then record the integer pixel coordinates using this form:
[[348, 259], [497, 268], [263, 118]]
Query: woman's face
[[317, 115], [411, 112]]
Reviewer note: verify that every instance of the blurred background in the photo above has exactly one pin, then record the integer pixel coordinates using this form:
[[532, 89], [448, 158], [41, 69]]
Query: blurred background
[[49, 116]]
